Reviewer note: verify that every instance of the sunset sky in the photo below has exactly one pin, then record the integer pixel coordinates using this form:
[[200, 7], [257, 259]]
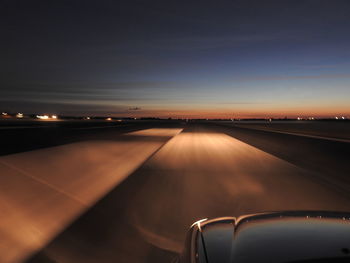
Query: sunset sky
[[196, 59]]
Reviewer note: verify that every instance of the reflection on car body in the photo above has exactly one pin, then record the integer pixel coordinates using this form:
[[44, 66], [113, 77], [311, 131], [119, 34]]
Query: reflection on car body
[[294, 236]]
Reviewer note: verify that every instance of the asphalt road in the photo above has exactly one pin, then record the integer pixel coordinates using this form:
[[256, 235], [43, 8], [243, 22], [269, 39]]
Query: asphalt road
[[23, 135], [43, 191], [203, 172], [336, 129]]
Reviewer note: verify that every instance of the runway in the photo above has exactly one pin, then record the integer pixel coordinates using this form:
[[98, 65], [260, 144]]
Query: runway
[[205, 171]]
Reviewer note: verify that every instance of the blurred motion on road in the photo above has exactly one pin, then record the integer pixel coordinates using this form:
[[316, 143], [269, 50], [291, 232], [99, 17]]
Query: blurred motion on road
[[131, 197], [43, 191]]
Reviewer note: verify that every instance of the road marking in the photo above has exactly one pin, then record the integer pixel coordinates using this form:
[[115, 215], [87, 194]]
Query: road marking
[[19, 170]]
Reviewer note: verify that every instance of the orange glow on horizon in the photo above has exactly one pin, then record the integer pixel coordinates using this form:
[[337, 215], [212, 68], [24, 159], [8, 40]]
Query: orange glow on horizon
[[241, 114]]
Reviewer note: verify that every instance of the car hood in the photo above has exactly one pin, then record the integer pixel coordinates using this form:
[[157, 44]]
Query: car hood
[[295, 236]]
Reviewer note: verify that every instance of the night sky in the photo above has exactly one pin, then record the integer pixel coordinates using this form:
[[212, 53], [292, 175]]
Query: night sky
[[238, 58]]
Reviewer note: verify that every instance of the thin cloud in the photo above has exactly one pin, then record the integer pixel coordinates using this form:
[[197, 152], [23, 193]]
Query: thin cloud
[[73, 108], [285, 77], [134, 109], [207, 42], [241, 103], [324, 66], [80, 91]]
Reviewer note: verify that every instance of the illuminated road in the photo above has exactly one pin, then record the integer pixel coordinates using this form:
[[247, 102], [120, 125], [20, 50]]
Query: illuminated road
[[31, 135], [43, 191], [201, 172]]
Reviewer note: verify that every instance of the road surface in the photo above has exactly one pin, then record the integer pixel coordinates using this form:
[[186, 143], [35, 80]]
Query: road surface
[[203, 172], [19, 136], [43, 191]]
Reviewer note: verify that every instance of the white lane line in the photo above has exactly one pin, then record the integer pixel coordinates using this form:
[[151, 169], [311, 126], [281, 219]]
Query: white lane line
[[298, 134], [42, 182]]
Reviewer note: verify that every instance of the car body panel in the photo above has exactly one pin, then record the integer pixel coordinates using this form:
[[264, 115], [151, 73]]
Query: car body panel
[[292, 236]]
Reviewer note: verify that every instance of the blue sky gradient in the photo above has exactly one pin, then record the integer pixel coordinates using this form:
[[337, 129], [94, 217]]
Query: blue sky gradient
[[177, 58]]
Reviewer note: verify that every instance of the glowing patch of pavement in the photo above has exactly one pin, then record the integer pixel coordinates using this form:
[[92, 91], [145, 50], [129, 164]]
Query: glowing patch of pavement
[[156, 132], [43, 191], [207, 175]]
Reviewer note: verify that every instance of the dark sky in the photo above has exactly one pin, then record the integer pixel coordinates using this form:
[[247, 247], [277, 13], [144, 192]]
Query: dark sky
[[176, 58]]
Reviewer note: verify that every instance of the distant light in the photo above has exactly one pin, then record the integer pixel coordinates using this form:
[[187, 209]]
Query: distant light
[[119, 120], [108, 119], [54, 116], [42, 117], [343, 117], [299, 118], [88, 118], [336, 118], [19, 115], [135, 118], [4, 113]]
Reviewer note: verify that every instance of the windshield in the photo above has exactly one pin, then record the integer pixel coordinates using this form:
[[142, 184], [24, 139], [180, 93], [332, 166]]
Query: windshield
[[123, 122]]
